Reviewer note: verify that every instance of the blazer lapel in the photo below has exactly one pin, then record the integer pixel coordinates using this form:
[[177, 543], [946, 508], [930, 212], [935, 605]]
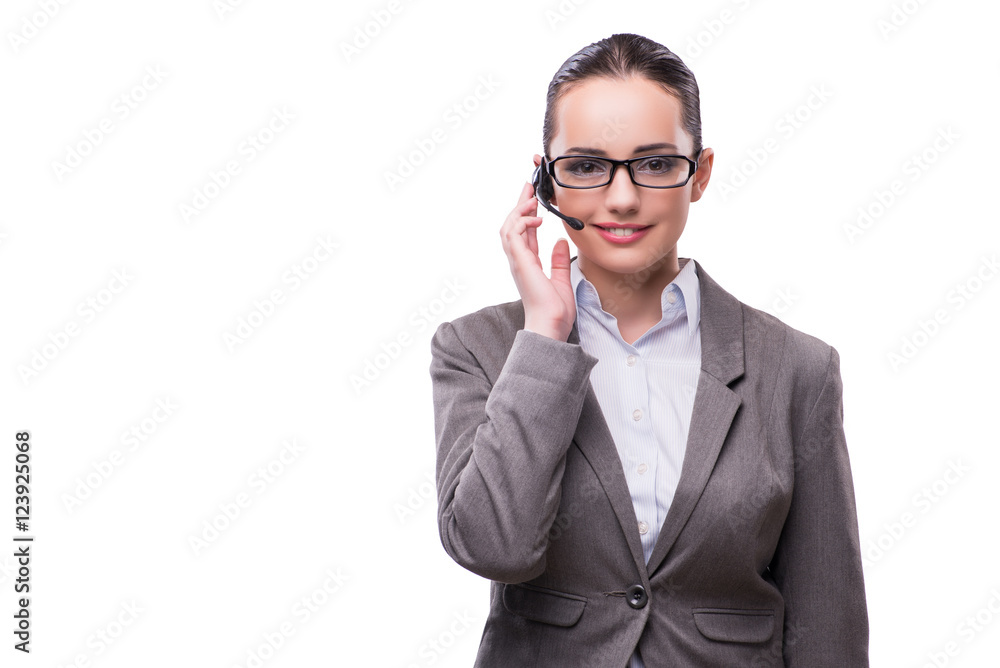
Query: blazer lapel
[[715, 406]]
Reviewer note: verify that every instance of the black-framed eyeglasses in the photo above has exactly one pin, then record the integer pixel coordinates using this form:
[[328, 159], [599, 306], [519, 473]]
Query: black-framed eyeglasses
[[648, 171]]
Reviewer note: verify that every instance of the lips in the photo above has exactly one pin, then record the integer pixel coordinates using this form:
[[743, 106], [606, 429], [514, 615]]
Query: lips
[[606, 230]]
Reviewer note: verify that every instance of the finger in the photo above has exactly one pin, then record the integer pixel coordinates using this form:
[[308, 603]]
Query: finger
[[527, 191], [528, 235], [522, 199], [523, 261], [527, 207], [521, 239], [515, 226], [514, 234], [509, 227]]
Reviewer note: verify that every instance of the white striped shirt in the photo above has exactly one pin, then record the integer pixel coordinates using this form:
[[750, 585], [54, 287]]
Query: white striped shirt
[[646, 391]]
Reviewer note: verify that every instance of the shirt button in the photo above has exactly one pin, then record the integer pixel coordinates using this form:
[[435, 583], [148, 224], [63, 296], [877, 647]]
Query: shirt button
[[643, 528], [671, 297], [643, 468], [637, 415], [630, 360]]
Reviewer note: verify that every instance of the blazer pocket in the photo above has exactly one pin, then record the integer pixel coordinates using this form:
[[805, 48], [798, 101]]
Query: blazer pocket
[[543, 605], [750, 626]]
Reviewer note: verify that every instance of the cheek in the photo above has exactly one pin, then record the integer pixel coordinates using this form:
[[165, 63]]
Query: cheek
[[671, 205], [575, 202]]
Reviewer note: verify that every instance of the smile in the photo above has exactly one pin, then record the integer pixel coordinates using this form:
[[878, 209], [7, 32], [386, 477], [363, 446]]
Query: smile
[[622, 234]]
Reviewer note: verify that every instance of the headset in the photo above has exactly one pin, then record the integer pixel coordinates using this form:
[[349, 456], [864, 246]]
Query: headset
[[541, 181]]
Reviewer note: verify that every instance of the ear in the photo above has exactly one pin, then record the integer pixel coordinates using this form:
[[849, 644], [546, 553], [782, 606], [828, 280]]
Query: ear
[[700, 180]]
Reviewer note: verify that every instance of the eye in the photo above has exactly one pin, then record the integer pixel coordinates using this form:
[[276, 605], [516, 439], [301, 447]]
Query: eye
[[586, 167], [657, 164]]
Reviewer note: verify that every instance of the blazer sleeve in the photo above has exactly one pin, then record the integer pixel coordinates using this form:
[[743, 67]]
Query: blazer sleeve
[[817, 562], [501, 448]]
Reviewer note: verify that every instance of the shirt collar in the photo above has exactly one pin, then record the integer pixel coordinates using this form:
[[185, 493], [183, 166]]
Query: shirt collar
[[686, 285]]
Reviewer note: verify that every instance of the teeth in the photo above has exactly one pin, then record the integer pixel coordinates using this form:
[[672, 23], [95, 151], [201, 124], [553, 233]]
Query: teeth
[[621, 231]]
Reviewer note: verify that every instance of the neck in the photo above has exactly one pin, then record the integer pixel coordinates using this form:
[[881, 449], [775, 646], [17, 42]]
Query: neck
[[636, 295]]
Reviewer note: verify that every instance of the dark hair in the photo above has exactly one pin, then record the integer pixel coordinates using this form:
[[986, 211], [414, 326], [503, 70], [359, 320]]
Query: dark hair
[[622, 56]]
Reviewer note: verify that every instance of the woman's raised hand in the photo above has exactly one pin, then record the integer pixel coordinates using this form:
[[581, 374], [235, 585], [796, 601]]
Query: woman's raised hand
[[549, 305]]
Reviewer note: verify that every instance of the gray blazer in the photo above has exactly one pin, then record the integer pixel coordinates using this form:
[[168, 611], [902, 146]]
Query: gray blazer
[[758, 562]]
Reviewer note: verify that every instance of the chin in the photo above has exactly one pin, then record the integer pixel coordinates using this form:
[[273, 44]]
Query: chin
[[624, 261], [629, 259]]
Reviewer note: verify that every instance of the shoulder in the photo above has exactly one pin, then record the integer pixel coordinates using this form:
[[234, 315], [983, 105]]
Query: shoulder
[[769, 336], [768, 342], [491, 325], [496, 322], [802, 369], [487, 334]]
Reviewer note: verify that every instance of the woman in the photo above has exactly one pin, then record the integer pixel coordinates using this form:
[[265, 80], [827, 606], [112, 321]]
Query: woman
[[651, 472]]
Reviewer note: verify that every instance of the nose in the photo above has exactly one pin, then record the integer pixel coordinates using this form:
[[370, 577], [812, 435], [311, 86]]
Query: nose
[[622, 195]]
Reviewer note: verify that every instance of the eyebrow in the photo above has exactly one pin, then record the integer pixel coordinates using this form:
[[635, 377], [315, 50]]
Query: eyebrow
[[638, 149]]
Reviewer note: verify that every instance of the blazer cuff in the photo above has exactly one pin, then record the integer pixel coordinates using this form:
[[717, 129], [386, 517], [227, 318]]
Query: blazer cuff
[[538, 356]]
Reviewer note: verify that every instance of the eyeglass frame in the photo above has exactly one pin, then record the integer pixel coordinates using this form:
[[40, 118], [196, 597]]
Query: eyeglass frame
[[692, 168]]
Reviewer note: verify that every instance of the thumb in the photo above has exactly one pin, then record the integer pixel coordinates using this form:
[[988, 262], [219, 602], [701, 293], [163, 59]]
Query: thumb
[[560, 262]]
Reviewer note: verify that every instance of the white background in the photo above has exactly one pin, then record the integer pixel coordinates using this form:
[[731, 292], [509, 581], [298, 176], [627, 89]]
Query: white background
[[357, 500]]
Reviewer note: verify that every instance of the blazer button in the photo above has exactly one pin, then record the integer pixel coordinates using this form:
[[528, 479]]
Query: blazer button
[[636, 597]]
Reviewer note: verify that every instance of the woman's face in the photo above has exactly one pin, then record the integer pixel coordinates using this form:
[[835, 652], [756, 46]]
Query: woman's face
[[620, 120]]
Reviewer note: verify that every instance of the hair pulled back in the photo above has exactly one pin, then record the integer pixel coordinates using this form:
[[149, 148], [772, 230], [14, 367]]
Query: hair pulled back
[[623, 56]]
